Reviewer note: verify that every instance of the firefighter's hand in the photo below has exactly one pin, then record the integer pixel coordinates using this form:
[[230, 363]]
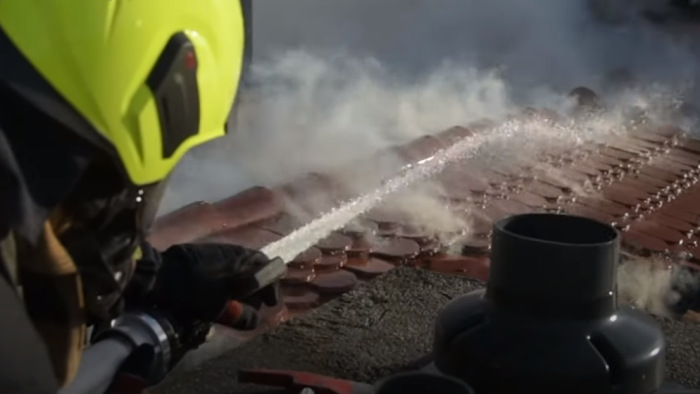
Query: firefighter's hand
[[196, 281]]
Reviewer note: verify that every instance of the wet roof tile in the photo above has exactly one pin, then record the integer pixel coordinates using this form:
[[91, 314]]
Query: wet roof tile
[[248, 236], [454, 134], [186, 224], [420, 148], [250, 206]]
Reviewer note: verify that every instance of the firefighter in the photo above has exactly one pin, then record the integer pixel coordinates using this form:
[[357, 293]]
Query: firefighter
[[99, 100]]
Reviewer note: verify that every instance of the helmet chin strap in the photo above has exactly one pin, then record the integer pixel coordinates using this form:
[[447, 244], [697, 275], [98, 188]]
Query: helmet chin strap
[[104, 275], [105, 261]]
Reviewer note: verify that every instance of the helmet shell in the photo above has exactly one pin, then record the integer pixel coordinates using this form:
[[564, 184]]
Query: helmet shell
[[99, 56]]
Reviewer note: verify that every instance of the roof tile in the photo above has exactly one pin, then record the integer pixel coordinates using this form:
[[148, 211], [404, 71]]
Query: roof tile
[[298, 276], [368, 268], [473, 267], [419, 149], [336, 282], [454, 134], [186, 224], [304, 300], [250, 206], [248, 236]]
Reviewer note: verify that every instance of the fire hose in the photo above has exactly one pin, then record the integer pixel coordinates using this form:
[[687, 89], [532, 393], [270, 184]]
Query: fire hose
[[141, 347]]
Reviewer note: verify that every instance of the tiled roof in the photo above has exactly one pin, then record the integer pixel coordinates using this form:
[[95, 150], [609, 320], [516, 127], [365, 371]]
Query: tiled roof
[[645, 184]]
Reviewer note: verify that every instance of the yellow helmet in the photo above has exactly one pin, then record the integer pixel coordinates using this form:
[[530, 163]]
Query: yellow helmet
[[151, 78]]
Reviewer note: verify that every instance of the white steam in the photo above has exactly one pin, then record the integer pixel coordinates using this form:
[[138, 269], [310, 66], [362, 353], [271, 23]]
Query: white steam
[[645, 283], [337, 81], [654, 284]]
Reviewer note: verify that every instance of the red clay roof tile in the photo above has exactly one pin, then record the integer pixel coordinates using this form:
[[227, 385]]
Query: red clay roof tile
[[368, 268], [297, 276], [186, 224], [250, 206], [313, 194], [419, 149], [304, 300], [336, 282], [473, 267], [396, 250], [248, 236], [307, 259], [283, 224], [454, 134], [335, 244], [331, 262]]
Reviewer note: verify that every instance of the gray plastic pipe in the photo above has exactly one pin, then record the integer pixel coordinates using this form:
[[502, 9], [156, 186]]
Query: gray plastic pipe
[[102, 360], [100, 364]]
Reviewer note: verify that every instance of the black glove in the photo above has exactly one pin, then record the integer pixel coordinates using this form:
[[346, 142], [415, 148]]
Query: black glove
[[195, 281]]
